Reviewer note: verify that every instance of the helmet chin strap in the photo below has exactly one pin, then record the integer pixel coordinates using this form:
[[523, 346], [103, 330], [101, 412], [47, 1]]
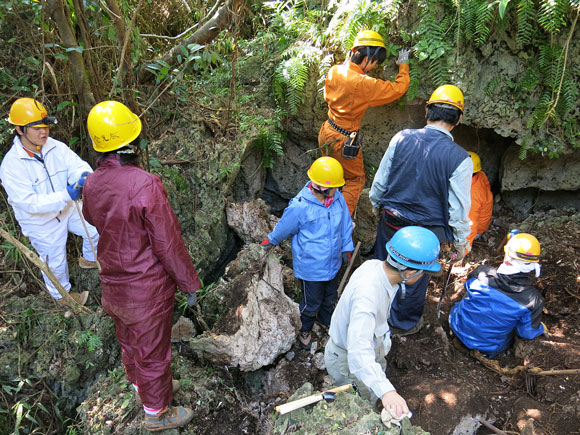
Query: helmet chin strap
[[401, 268]]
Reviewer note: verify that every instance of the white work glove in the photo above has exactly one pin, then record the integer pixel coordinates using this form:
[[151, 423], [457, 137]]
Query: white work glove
[[403, 56], [389, 417]]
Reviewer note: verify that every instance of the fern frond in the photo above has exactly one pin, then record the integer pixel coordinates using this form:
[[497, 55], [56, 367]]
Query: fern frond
[[492, 85], [529, 80], [469, 18], [526, 21], [416, 76], [483, 22], [552, 14]]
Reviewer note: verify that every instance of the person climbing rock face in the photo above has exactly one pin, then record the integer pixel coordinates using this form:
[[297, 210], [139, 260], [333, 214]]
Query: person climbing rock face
[[349, 92], [318, 221], [424, 179], [43, 177], [143, 258], [502, 301]]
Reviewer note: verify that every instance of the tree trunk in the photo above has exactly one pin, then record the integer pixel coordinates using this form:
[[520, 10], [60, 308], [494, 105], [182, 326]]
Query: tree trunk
[[203, 35], [59, 12]]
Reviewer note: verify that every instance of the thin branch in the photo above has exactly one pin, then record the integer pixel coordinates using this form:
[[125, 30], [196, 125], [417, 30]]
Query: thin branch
[[44, 267], [553, 108], [126, 44], [186, 31]]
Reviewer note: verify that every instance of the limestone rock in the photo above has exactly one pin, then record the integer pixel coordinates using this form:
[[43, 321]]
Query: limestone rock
[[251, 220], [258, 322], [347, 414], [540, 172]]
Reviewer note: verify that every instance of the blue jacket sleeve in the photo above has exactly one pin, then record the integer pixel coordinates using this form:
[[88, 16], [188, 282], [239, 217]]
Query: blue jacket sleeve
[[287, 226], [526, 330]]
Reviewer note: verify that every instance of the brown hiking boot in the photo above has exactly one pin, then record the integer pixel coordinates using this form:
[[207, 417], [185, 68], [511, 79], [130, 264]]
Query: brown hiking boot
[[86, 264], [305, 339], [168, 418], [175, 387], [80, 298]]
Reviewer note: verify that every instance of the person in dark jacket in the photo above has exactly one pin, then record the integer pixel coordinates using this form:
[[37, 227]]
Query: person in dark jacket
[[320, 225], [143, 258], [424, 179], [501, 302]]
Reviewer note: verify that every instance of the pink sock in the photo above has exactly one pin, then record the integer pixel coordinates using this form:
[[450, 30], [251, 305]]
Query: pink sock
[[151, 411]]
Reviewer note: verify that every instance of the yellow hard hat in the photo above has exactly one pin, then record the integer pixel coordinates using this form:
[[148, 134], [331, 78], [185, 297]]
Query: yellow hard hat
[[476, 161], [26, 111], [447, 94], [368, 38], [112, 125], [326, 172], [525, 247]]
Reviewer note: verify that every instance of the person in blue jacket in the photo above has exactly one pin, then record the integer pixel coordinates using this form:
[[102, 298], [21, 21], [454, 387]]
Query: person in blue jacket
[[501, 302], [321, 228]]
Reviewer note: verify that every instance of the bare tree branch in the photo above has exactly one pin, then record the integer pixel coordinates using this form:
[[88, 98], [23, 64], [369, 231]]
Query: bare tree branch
[[220, 21]]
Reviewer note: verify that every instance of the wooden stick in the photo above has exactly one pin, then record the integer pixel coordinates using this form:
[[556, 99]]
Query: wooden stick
[[539, 372], [88, 235], [44, 267], [491, 427], [347, 272], [305, 401]]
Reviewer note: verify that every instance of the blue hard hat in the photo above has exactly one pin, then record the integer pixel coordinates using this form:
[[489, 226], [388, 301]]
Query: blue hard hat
[[416, 248]]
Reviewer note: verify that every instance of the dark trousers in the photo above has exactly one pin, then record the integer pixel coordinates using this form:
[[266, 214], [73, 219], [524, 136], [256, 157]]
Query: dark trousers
[[405, 312], [318, 301]]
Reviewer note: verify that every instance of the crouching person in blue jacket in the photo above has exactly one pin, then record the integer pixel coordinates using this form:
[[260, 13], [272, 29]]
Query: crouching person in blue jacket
[[321, 228], [501, 302]]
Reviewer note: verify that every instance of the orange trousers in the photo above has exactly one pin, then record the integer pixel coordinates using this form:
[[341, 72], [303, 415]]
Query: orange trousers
[[330, 142]]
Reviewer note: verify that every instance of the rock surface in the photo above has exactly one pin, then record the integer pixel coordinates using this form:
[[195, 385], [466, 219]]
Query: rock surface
[[259, 321]]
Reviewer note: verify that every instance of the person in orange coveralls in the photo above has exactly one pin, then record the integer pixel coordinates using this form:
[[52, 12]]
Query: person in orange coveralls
[[143, 259], [481, 201], [349, 92]]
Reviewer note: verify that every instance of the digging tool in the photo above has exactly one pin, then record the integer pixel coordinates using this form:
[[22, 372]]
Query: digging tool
[[87, 233], [447, 280], [327, 395], [347, 271]]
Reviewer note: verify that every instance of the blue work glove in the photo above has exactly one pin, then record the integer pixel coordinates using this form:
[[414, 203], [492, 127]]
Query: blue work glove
[[191, 299], [403, 56], [75, 190]]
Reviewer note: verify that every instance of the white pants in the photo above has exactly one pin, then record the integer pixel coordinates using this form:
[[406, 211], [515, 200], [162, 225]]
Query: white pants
[[336, 361], [49, 241]]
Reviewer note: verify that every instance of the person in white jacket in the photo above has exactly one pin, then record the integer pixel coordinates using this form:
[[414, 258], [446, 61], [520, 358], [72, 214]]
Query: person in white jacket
[[360, 336], [42, 178]]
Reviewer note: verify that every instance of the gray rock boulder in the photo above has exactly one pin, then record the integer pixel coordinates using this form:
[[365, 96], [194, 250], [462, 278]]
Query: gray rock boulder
[[258, 321]]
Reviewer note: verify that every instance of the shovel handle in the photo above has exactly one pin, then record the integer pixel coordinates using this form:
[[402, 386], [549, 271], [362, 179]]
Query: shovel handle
[[309, 400]]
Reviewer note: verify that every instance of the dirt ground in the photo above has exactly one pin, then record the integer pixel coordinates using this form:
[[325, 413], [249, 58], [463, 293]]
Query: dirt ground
[[444, 385], [448, 389]]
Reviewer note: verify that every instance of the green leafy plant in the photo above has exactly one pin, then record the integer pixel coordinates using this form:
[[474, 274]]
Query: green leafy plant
[[90, 339], [269, 142]]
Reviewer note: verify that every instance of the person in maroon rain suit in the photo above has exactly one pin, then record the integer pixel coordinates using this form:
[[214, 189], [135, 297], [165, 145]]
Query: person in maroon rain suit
[[142, 256]]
